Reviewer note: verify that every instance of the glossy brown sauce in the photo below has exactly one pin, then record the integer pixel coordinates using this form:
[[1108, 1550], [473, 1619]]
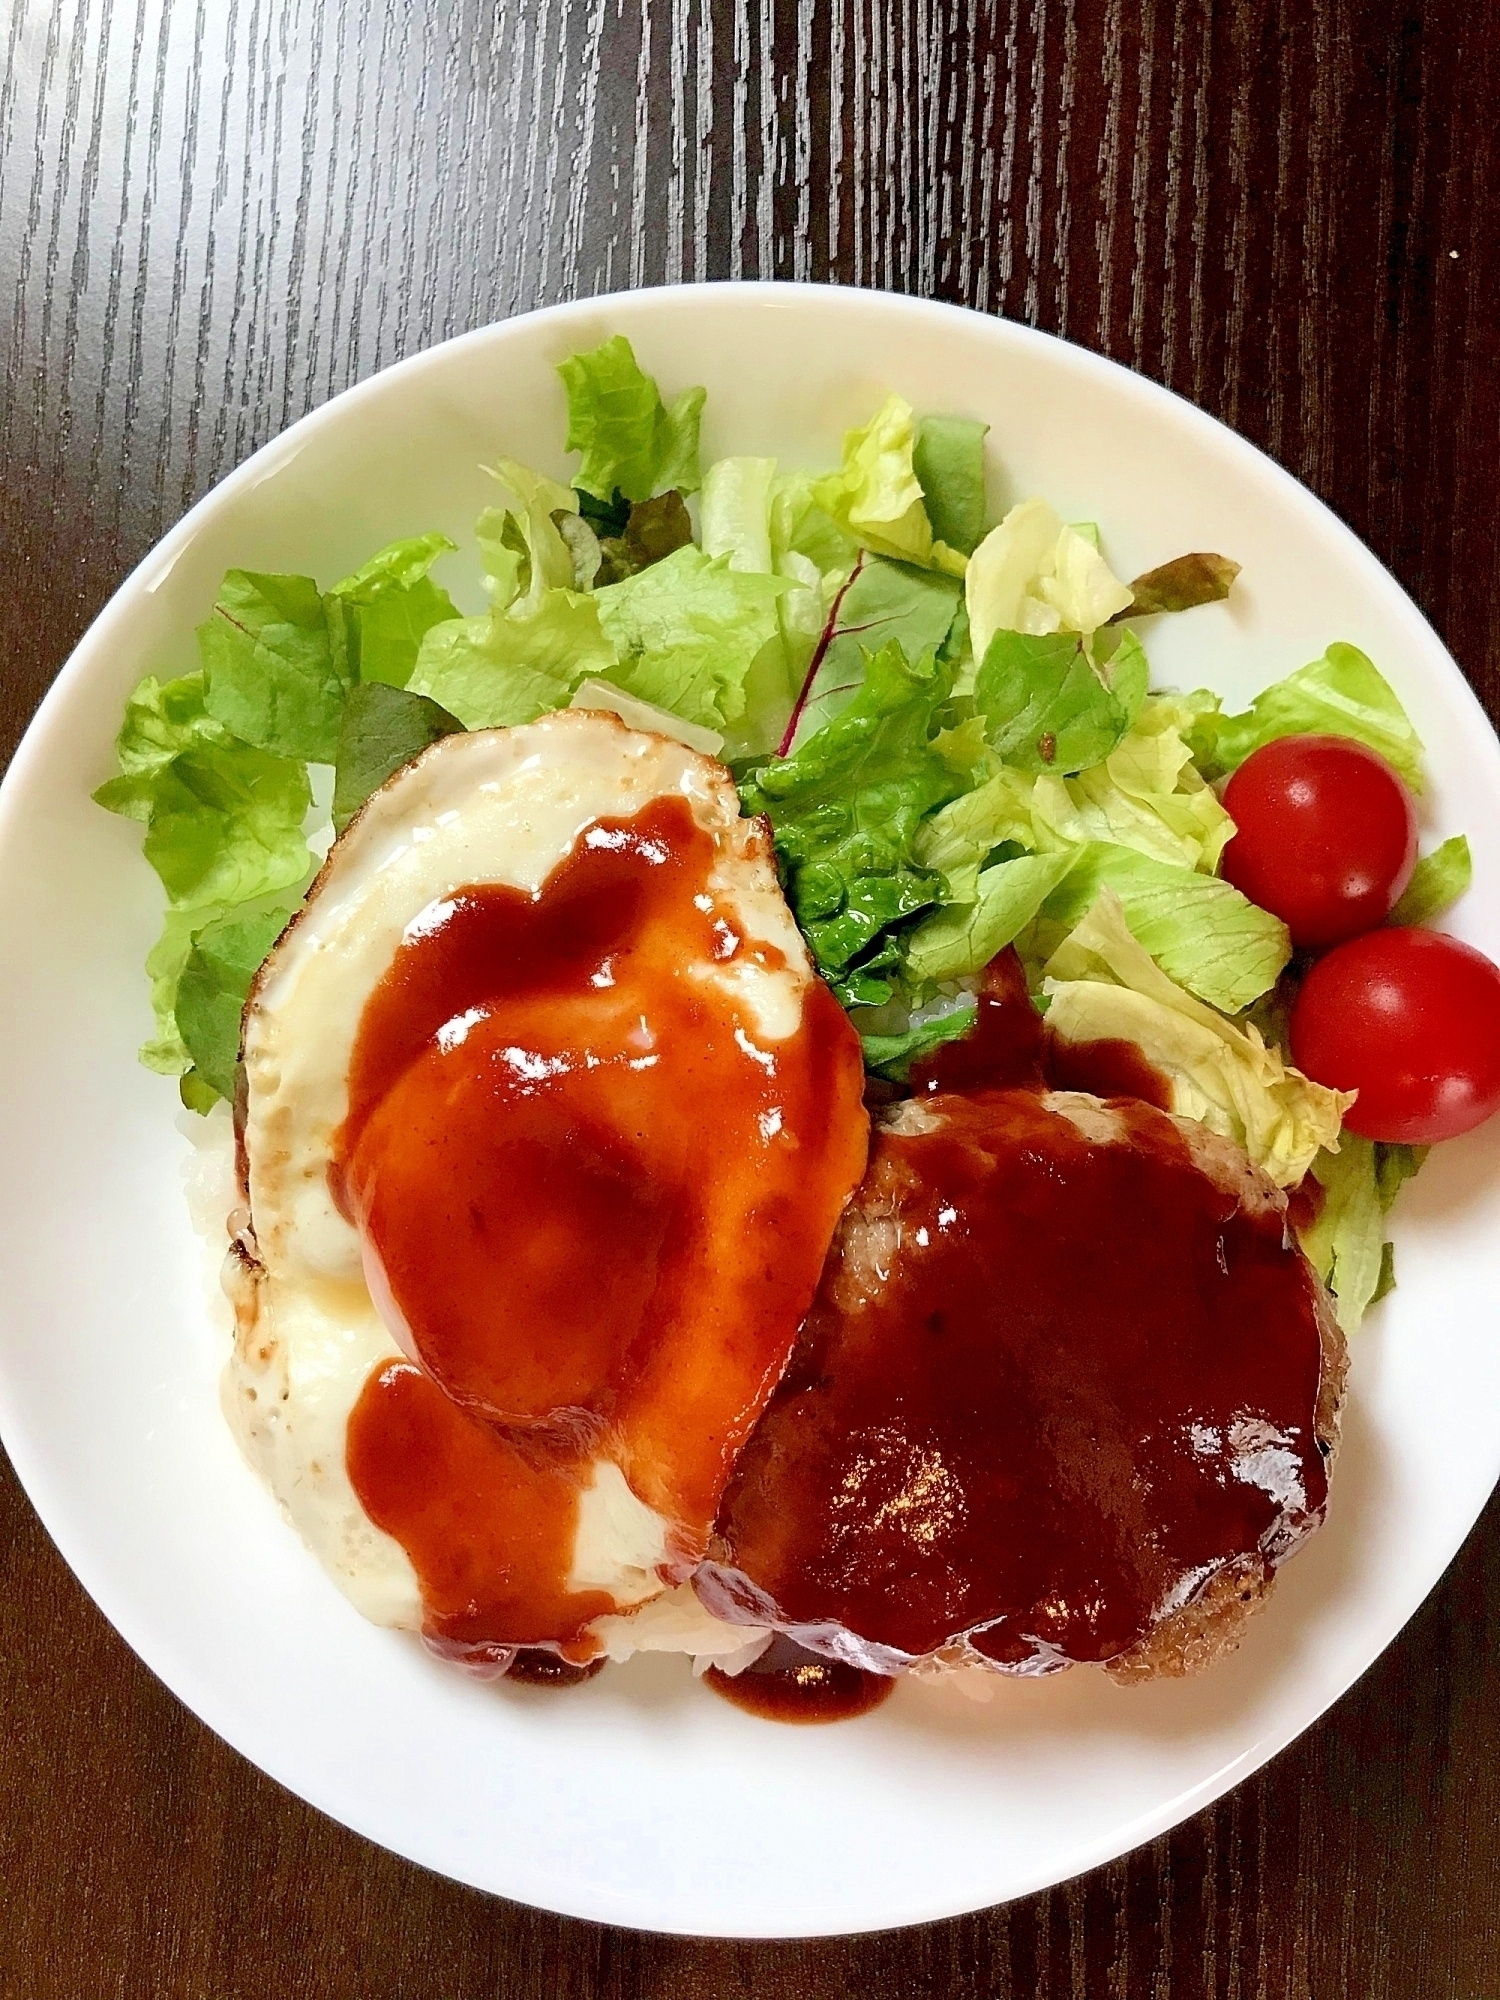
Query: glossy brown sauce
[[790, 1684], [1009, 1048], [535, 1668], [1051, 1387], [596, 1203]]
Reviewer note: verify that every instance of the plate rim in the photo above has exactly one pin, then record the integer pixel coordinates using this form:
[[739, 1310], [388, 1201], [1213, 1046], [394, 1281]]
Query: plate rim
[[161, 1653]]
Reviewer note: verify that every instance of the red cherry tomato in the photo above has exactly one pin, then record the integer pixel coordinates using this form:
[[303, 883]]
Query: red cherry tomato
[[1411, 1020], [1326, 836]]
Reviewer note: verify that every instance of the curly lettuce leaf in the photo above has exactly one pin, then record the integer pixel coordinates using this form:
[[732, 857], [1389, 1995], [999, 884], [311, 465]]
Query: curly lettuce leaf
[[948, 460], [515, 664], [1437, 882], [845, 808], [1102, 984], [226, 825], [1341, 694], [1045, 708], [801, 526], [387, 606], [1034, 574], [214, 983], [273, 675], [686, 633], [876, 496], [165, 1052], [632, 445], [525, 555], [383, 728], [162, 719]]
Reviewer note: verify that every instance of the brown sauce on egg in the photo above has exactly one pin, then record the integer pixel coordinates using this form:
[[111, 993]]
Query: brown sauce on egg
[[596, 1198], [790, 1684]]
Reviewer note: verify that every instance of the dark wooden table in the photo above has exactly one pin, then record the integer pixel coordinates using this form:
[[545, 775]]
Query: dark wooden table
[[213, 218]]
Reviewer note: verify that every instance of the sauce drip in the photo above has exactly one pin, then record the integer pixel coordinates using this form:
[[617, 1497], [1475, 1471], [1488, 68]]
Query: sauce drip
[[1058, 1379], [594, 1201], [790, 1684], [539, 1669], [1010, 1048]]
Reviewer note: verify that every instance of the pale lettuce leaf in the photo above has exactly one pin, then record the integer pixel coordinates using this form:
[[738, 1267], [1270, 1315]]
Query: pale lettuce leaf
[[1341, 694], [962, 939], [876, 496], [1102, 984], [1437, 882], [1035, 574], [1202, 932]]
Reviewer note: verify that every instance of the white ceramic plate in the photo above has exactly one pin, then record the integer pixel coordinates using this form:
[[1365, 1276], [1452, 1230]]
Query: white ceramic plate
[[640, 1798]]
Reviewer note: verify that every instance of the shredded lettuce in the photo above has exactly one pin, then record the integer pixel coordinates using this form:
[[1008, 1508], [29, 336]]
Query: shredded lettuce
[[631, 443], [1437, 882], [1102, 984], [1340, 694]]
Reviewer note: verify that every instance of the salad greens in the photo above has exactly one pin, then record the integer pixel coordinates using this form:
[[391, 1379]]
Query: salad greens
[[946, 720]]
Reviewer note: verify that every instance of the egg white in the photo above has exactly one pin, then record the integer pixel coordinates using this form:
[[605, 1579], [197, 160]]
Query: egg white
[[494, 806]]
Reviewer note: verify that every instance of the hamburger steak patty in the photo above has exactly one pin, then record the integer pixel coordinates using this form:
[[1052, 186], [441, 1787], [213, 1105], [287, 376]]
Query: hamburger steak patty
[[1068, 1392]]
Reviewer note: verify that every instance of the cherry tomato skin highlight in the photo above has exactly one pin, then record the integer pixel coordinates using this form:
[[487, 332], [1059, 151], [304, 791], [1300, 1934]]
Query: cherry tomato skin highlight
[[1411, 1020], [1325, 836]]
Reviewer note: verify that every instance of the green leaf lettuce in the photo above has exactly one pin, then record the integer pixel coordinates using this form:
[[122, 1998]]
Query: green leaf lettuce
[[631, 443]]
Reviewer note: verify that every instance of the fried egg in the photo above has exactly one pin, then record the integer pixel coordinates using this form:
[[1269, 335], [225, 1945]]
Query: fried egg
[[547, 1124]]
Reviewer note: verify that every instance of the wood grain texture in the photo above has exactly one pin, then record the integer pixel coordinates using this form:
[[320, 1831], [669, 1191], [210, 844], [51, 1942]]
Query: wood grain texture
[[216, 213]]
